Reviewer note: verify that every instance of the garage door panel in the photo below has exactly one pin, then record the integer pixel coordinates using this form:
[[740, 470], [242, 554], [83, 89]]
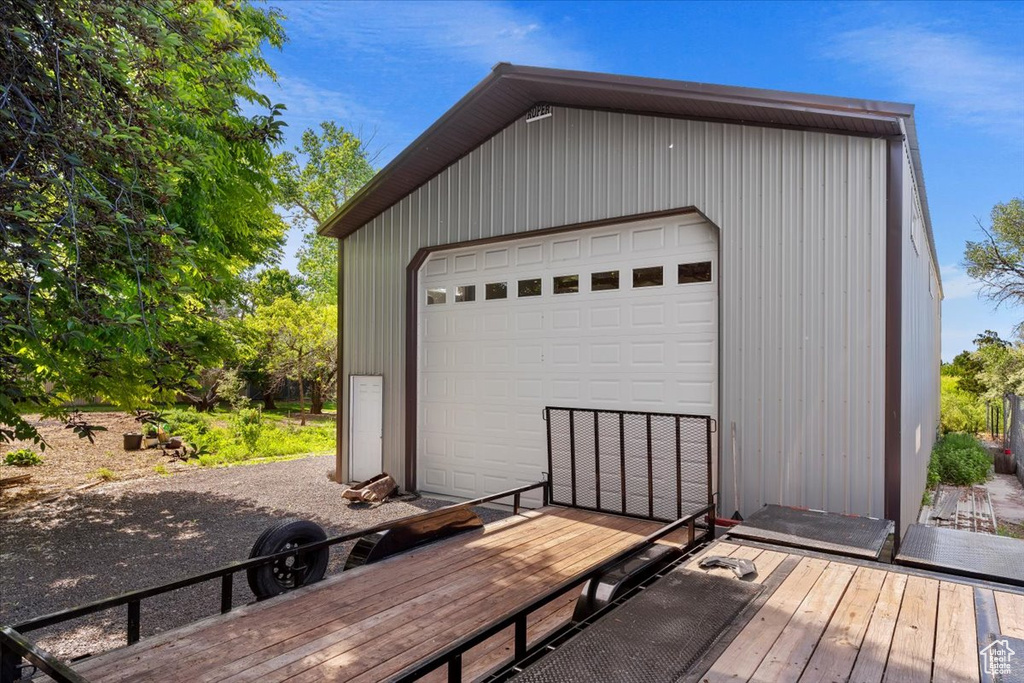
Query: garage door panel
[[489, 366], [606, 317], [648, 315]]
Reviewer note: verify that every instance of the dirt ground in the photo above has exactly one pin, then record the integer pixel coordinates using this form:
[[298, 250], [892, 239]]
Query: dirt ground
[[70, 462]]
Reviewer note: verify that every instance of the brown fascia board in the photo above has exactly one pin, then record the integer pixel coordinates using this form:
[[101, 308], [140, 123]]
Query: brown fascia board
[[509, 91]]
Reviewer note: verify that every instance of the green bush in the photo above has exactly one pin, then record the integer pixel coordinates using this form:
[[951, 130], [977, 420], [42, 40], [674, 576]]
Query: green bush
[[248, 426], [187, 423], [958, 459], [960, 410], [23, 457]]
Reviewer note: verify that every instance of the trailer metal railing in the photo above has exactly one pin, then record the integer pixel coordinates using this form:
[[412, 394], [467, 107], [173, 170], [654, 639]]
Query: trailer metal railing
[[15, 647], [655, 466]]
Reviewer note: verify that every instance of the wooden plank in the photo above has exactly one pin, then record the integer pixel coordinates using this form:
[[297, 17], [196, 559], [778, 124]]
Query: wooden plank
[[404, 577], [1010, 608], [390, 618], [408, 651], [956, 635], [788, 656], [453, 553], [913, 641], [837, 651], [874, 651], [743, 655], [396, 630], [767, 562]]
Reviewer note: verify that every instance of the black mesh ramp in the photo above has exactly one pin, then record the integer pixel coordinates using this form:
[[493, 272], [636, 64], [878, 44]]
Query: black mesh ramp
[[824, 531], [653, 638], [980, 556]]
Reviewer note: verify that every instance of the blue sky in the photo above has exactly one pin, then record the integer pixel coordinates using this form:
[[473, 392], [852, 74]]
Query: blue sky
[[390, 69]]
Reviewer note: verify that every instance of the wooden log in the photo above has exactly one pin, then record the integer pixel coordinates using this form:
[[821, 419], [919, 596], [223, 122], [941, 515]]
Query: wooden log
[[14, 481]]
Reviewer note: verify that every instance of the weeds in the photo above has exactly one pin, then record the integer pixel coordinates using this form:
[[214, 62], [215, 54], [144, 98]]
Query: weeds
[[23, 457], [959, 460], [105, 474]]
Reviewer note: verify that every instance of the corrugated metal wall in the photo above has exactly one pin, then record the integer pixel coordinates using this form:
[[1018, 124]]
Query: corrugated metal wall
[[920, 352], [802, 219]]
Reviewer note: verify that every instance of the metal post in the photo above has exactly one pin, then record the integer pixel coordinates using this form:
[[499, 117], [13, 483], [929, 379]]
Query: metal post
[[622, 458], [650, 470], [515, 504], [572, 454], [679, 474], [455, 669], [226, 592], [597, 462], [711, 492], [134, 621], [520, 647]]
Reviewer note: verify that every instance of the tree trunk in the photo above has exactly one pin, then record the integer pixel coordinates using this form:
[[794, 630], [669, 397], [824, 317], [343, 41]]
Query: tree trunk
[[302, 405], [268, 399], [316, 399]]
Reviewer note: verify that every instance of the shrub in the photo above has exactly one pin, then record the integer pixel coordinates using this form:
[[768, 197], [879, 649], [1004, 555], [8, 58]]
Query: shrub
[[187, 423], [960, 410], [23, 457], [105, 474], [958, 459], [248, 424]]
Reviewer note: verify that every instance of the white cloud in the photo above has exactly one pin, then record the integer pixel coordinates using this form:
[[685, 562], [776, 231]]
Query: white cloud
[[956, 73], [308, 103], [957, 284], [480, 33]]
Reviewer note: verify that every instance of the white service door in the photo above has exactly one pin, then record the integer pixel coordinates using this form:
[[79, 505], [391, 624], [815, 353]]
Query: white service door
[[489, 364], [366, 428]]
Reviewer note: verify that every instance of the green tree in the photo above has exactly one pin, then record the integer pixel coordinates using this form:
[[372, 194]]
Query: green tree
[[303, 345], [998, 260], [134, 190], [270, 284], [336, 164]]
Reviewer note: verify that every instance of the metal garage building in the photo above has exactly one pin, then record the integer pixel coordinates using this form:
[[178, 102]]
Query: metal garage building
[[573, 239]]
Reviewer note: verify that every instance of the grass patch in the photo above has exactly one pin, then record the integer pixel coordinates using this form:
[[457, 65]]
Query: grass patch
[[162, 470], [277, 440], [1010, 530], [105, 474], [958, 460]]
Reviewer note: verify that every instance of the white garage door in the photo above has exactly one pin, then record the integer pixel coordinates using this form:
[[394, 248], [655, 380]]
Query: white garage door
[[622, 317]]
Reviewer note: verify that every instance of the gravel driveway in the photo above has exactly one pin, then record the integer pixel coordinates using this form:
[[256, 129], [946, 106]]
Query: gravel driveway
[[134, 534]]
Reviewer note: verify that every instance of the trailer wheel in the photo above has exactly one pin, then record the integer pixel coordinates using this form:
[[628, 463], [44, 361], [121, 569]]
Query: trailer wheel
[[293, 571]]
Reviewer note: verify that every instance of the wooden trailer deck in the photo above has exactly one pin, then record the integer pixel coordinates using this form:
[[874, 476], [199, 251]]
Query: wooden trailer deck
[[831, 619], [368, 623]]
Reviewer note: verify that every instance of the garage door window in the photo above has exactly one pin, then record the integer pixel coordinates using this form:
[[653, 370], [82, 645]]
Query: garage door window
[[435, 296], [648, 277], [567, 284], [609, 279], [465, 293], [694, 272], [529, 287], [496, 290]]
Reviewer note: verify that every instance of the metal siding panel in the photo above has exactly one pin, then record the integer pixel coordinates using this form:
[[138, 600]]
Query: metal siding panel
[[920, 353], [802, 226]]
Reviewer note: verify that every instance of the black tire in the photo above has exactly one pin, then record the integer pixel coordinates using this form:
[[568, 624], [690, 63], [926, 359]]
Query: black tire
[[289, 573]]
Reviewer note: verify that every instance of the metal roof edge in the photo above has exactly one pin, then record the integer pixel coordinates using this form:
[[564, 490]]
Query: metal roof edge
[[518, 80]]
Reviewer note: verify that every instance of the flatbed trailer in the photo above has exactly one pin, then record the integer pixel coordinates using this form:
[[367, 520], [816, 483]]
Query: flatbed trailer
[[584, 590]]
